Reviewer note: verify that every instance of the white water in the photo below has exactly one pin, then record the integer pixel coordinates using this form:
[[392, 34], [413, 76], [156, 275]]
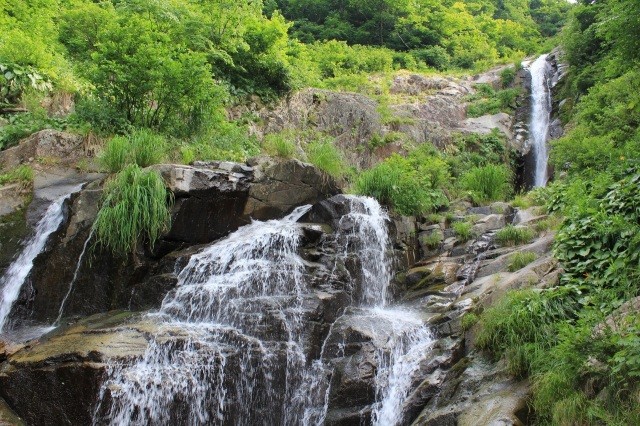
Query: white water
[[229, 333], [73, 280], [540, 113], [12, 281], [409, 339], [229, 341]]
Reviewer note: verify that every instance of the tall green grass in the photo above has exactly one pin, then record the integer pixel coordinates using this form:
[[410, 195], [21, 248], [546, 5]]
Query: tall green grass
[[279, 145], [488, 183], [325, 156], [512, 236], [521, 259], [142, 147], [134, 207]]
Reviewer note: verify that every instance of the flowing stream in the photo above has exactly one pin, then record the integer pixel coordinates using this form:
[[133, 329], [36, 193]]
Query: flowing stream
[[228, 345], [14, 278], [540, 113]]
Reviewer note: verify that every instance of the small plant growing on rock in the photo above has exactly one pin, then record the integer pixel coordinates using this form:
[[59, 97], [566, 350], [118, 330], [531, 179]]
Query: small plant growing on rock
[[513, 236], [134, 206], [487, 183], [432, 241], [520, 260], [468, 320], [325, 156], [141, 147], [22, 174], [279, 145], [462, 230]]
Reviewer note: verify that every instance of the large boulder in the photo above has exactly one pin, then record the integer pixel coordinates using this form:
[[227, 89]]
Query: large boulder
[[48, 145]]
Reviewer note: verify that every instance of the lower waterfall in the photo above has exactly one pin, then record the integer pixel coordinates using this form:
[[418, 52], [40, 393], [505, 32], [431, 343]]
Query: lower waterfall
[[229, 343], [14, 278]]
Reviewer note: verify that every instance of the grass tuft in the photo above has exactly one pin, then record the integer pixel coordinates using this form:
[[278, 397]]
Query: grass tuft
[[141, 147], [520, 260], [488, 183], [134, 206], [22, 174], [513, 236], [462, 230], [279, 145], [325, 156]]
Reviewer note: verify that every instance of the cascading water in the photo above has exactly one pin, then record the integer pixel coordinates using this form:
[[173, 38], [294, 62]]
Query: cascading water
[[409, 339], [13, 280], [75, 276], [229, 346], [540, 114]]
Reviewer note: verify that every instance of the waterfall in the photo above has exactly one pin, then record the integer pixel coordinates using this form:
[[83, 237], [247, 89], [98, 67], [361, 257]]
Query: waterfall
[[75, 276], [229, 341], [409, 339], [540, 114], [16, 274]]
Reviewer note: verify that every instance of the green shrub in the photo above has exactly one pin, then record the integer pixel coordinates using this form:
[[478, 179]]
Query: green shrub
[[22, 174], [521, 259], [134, 207], [511, 235], [24, 124], [507, 76], [490, 102], [325, 156], [462, 230], [487, 183], [279, 145], [411, 185], [434, 56]]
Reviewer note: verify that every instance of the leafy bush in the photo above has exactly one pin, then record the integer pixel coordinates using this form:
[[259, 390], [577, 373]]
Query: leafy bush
[[325, 156], [279, 145], [462, 230], [434, 56], [16, 79], [500, 101], [512, 236], [521, 259], [507, 76], [134, 207], [24, 124], [487, 183], [411, 185]]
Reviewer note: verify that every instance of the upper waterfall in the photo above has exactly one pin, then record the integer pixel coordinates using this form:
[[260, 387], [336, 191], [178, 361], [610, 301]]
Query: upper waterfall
[[540, 117]]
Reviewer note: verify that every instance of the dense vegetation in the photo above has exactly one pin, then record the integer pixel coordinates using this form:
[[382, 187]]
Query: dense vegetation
[[579, 341]]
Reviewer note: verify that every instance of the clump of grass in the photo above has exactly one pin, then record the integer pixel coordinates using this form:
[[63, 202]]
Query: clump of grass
[[468, 320], [134, 206], [115, 154], [434, 218], [512, 236], [520, 260], [432, 241], [325, 156], [141, 147], [544, 225], [278, 145], [147, 148], [462, 230], [487, 183], [521, 201], [22, 174]]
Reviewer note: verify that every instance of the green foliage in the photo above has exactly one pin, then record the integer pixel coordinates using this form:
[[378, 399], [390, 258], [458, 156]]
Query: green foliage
[[487, 183], [141, 147], [462, 230], [475, 150], [521, 259], [24, 124], [325, 156], [468, 320], [134, 207], [412, 185], [507, 76], [488, 101], [22, 174], [512, 235], [16, 79], [432, 241], [279, 145]]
